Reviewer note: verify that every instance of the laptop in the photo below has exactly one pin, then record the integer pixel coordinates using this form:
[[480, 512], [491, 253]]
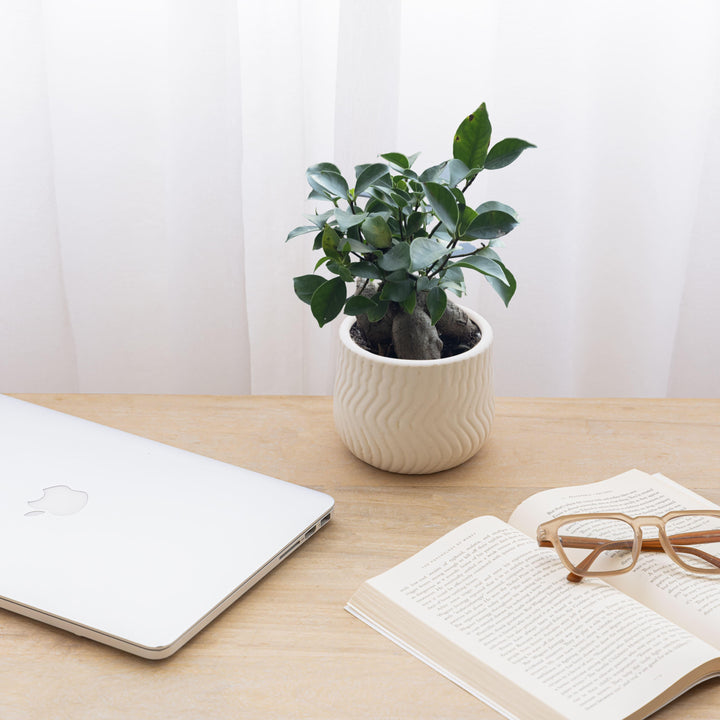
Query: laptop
[[130, 542]]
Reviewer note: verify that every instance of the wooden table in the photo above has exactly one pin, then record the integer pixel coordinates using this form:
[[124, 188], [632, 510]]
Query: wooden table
[[288, 649]]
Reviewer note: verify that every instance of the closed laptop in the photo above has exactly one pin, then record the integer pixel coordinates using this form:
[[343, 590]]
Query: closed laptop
[[130, 542]]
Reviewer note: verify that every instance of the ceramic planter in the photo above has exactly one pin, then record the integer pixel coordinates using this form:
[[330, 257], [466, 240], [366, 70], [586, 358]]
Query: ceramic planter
[[414, 416]]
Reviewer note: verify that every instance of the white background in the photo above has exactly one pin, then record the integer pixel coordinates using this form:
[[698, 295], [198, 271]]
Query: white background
[[152, 158]]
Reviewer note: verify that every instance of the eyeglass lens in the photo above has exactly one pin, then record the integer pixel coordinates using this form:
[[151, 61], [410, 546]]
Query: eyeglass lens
[[696, 540], [597, 544]]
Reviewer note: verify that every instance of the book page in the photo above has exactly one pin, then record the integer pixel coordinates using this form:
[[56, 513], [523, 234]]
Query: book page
[[585, 650], [688, 599]]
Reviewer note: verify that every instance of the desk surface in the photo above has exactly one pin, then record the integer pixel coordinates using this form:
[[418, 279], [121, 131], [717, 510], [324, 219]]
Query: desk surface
[[288, 649]]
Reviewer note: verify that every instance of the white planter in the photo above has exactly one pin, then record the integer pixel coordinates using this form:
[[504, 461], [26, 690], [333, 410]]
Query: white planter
[[414, 416]]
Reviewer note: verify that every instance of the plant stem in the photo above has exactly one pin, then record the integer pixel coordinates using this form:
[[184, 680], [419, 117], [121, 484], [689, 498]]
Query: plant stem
[[474, 252], [452, 244], [454, 241], [469, 182], [432, 232]]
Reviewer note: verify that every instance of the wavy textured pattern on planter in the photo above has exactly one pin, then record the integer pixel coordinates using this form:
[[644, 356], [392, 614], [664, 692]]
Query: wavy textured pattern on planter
[[414, 417]]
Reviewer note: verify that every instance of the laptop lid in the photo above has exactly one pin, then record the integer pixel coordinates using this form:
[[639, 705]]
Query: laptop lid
[[128, 541]]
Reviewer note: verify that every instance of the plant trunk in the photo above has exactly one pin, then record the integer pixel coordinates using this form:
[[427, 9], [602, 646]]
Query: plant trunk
[[412, 336]]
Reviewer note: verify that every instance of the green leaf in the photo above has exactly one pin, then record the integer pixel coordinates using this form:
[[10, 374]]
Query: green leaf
[[301, 230], [415, 222], [397, 275], [337, 268], [366, 270], [472, 138], [397, 258], [484, 265], [306, 285], [397, 290], [397, 159], [425, 252], [369, 176], [443, 203], [375, 207], [359, 305], [453, 279], [377, 232], [380, 196], [330, 241], [436, 303], [466, 217], [506, 151], [328, 300], [408, 304], [350, 244], [493, 220], [322, 167], [360, 168], [379, 311], [399, 182], [455, 171], [400, 198], [487, 251], [315, 195], [319, 220], [318, 191], [492, 205], [346, 219], [330, 182], [424, 283], [432, 174], [459, 199], [321, 261], [506, 289]]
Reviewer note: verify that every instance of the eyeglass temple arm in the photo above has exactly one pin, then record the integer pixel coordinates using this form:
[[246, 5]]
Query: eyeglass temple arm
[[650, 545]]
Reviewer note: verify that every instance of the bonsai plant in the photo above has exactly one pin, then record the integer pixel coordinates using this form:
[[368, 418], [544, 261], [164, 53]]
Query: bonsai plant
[[405, 240], [413, 387]]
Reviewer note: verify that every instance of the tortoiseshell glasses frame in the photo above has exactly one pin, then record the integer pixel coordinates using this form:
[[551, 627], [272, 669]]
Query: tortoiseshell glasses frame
[[673, 545]]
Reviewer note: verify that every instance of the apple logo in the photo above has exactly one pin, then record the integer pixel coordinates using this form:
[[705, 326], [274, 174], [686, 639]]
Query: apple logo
[[58, 500]]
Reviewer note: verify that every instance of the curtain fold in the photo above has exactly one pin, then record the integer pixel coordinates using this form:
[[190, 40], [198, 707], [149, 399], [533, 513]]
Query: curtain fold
[[37, 348], [152, 159]]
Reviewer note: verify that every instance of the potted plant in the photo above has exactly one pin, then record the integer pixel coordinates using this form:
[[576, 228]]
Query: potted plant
[[413, 390]]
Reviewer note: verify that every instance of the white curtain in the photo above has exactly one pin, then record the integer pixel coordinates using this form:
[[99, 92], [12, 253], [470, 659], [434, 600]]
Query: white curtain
[[152, 160]]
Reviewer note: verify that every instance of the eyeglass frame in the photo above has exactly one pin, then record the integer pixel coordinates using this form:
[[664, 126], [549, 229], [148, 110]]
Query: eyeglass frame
[[547, 536]]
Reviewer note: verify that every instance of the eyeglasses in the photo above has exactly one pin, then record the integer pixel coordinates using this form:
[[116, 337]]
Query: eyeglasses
[[610, 543]]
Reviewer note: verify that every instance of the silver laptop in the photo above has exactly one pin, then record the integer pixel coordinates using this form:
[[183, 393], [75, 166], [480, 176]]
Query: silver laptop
[[131, 542]]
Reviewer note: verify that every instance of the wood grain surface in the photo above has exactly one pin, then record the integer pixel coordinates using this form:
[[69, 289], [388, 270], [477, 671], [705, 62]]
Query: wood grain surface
[[288, 649]]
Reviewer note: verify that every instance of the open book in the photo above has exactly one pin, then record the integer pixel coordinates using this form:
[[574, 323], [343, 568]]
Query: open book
[[492, 611]]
